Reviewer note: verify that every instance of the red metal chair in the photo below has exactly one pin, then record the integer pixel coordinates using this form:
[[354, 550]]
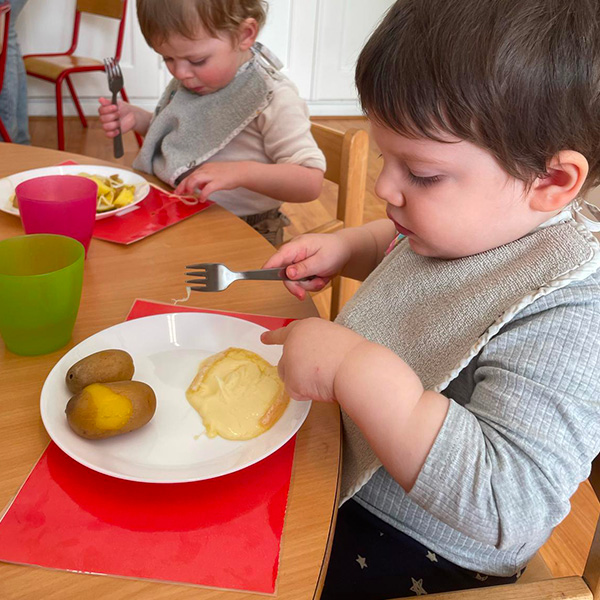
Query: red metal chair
[[58, 67], [4, 21]]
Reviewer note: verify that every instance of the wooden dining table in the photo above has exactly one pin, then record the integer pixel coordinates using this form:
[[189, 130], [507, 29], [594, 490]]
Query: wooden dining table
[[154, 269]]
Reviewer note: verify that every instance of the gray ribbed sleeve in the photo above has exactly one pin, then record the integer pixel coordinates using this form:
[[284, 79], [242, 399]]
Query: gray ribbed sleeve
[[521, 432]]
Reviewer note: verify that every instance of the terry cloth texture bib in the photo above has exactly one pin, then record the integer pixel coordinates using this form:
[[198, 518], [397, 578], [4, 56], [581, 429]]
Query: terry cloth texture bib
[[187, 129], [441, 313]]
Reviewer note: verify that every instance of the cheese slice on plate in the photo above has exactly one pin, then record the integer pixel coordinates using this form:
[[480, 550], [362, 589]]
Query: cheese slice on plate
[[238, 394]]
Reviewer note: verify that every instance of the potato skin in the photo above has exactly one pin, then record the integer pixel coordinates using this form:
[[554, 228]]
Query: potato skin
[[91, 412], [101, 367]]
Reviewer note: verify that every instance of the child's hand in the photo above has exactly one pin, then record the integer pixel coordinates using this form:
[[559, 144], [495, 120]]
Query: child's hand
[[313, 350], [321, 255], [212, 177], [115, 118]]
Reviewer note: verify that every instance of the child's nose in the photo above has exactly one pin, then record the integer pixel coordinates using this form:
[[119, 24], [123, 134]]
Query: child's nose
[[181, 70], [387, 191]]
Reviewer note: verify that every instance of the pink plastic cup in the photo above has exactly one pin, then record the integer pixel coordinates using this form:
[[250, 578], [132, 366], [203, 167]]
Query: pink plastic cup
[[59, 204]]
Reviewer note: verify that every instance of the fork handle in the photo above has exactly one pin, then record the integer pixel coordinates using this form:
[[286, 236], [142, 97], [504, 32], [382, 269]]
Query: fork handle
[[265, 274], [269, 275], [118, 140]]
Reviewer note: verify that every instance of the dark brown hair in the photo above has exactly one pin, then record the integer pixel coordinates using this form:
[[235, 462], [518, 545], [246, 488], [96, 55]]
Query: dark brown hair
[[161, 18], [518, 78]]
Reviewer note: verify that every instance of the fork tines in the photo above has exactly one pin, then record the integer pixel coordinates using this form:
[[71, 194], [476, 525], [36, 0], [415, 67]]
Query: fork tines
[[112, 67]]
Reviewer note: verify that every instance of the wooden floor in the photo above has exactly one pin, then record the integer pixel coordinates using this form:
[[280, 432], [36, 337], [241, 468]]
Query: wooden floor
[[566, 551]]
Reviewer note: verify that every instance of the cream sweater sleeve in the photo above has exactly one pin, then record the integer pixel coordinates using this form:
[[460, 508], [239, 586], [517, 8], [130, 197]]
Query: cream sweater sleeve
[[285, 129]]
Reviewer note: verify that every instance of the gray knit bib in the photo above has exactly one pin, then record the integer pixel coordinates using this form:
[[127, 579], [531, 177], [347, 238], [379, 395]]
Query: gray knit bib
[[187, 129], [438, 314]]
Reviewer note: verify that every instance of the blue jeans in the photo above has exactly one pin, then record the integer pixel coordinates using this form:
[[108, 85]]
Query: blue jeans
[[13, 97]]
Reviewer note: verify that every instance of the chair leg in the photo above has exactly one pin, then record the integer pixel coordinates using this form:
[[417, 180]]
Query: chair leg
[[4, 133], [138, 137], [76, 102], [60, 126]]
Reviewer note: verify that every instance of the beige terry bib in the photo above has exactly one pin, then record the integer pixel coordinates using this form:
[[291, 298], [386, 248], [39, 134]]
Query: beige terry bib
[[437, 314]]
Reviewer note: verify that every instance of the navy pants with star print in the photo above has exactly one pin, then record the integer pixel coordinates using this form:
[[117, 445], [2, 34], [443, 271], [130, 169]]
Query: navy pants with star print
[[370, 560]]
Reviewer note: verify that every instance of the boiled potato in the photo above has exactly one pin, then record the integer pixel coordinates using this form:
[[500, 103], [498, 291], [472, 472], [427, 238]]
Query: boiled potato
[[101, 367], [104, 410]]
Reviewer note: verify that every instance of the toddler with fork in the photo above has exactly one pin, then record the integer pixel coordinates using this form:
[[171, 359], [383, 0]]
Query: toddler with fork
[[229, 126]]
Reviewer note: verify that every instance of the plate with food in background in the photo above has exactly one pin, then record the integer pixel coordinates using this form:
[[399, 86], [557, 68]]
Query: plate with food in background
[[118, 189], [205, 399]]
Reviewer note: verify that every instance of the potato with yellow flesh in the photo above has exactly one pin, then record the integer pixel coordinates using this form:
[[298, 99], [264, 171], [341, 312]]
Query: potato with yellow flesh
[[101, 367], [103, 410], [238, 394]]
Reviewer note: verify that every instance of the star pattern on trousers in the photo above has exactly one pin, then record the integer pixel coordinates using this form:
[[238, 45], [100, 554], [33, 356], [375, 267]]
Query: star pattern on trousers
[[417, 587], [431, 556], [362, 561], [481, 577]]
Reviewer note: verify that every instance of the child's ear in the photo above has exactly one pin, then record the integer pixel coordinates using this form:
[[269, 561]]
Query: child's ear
[[567, 172], [247, 33]]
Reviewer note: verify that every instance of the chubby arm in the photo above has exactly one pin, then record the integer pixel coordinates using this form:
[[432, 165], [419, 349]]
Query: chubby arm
[[379, 391], [285, 182], [386, 399]]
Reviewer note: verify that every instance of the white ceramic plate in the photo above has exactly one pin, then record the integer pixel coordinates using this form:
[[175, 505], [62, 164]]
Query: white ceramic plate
[[8, 184], [173, 447]]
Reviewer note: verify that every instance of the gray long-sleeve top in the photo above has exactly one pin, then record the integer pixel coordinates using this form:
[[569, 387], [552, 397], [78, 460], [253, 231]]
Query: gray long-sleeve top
[[522, 429]]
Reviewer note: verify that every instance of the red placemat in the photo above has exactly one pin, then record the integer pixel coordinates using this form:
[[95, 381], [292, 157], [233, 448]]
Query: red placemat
[[223, 532], [157, 211]]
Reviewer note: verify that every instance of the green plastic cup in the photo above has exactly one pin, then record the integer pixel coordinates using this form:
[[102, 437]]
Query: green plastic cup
[[41, 277]]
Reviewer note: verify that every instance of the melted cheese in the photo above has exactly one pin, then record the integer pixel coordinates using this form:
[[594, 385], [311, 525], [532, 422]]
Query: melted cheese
[[238, 394]]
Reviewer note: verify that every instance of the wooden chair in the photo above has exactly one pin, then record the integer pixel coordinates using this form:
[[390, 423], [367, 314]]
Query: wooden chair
[[347, 157], [537, 583], [4, 23], [58, 67]]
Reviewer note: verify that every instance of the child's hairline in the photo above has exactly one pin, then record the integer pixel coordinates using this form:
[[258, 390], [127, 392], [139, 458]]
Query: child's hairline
[[213, 32]]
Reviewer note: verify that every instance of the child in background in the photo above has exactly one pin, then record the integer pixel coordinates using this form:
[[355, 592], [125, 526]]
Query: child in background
[[466, 366], [229, 126]]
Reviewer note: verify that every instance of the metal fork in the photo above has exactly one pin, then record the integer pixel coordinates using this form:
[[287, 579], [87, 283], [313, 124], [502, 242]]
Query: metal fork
[[115, 84], [216, 277]]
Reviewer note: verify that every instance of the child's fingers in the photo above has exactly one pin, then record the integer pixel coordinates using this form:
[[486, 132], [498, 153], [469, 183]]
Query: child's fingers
[[208, 189], [275, 337], [190, 183], [295, 289], [286, 255], [308, 267], [108, 113]]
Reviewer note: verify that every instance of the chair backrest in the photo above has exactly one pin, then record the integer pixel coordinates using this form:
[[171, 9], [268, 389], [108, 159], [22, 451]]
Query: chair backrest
[[347, 159], [4, 23], [105, 8], [113, 9]]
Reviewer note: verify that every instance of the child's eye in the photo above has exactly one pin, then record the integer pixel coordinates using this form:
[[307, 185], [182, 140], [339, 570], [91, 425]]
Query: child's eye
[[423, 181], [198, 63]]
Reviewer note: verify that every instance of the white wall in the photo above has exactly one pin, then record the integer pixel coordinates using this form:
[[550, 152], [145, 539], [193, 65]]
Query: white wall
[[317, 40]]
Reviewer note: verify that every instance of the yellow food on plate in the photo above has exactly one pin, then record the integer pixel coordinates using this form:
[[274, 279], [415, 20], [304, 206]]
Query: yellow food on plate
[[103, 410], [101, 367], [238, 394], [112, 192]]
